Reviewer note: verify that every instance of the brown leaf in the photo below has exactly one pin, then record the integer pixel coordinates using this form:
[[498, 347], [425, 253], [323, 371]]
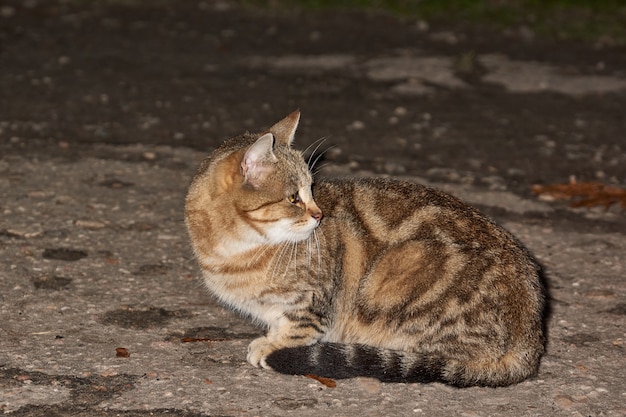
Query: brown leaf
[[121, 352], [583, 194], [330, 383]]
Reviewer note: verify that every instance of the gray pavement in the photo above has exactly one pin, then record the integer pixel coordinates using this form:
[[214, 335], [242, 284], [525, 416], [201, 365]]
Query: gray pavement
[[106, 111]]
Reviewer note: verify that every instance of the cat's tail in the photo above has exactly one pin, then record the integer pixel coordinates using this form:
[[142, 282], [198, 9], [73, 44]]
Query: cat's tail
[[339, 361]]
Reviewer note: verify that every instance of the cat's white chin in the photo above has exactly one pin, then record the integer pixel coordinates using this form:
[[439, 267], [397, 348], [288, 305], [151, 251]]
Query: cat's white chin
[[286, 231]]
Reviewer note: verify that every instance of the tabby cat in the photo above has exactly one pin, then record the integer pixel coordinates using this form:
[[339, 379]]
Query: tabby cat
[[368, 277]]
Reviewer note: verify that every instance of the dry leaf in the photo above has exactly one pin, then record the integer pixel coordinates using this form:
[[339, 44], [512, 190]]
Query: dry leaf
[[122, 352], [583, 194], [324, 381]]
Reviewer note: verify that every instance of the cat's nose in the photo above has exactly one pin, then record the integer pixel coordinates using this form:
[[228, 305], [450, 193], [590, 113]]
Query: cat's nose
[[317, 215]]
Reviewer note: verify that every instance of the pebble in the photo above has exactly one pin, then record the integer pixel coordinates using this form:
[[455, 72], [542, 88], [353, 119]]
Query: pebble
[[400, 111], [24, 233], [422, 26], [90, 224], [448, 37], [150, 156], [356, 125], [394, 168], [369, 385], [601, 294], [109, 372], [564, 402], [41, 194], [7, 11], [64, 60]]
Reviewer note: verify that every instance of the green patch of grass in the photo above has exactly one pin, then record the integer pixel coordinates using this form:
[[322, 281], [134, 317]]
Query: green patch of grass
[[589, 20]]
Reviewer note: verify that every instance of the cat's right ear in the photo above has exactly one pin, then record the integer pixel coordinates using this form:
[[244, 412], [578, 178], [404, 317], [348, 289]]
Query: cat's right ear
[[285, 130], [258, 159]]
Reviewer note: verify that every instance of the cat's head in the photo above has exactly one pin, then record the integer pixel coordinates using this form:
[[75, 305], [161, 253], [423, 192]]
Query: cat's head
[[255, 188]]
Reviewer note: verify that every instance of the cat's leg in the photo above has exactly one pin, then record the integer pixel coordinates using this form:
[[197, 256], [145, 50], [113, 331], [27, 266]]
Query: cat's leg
[[295, 328]]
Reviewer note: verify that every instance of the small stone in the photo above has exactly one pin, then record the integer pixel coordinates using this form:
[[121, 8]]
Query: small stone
[[40, 194], [601, 294], [580, 123], [24, 233], [448, 37], [582, 368], [394, 168], [564, 402], [401, 141], [356, 125], [422, 26], [400, 111], [90, 224], [109, 372], [526, 33], [369, 385], [7, 11]]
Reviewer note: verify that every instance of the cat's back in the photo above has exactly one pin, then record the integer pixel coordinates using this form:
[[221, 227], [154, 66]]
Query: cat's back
[[393, 210], [410, 225]]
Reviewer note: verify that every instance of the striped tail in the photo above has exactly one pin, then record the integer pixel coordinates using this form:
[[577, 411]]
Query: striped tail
[[340, 361]]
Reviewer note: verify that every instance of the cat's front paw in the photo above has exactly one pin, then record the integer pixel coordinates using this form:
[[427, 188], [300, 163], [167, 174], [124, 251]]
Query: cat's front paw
[[259, 350]]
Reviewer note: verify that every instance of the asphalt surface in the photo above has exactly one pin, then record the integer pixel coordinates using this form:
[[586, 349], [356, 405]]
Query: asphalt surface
[[106, 110]]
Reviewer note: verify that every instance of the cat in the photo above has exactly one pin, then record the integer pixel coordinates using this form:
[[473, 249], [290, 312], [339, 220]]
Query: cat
[[365, 277]]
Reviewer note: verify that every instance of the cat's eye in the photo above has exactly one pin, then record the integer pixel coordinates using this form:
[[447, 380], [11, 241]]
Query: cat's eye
[[294, 198]]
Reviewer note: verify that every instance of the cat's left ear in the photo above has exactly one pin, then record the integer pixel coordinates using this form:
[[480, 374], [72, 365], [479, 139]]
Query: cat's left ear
[[285, 130], [257, 162]]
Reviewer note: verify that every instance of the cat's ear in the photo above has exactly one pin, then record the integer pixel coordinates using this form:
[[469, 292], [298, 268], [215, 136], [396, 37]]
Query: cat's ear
[[258, 159], [285, 130]]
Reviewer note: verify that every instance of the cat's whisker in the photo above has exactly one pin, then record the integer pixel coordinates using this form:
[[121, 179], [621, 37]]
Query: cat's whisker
[[319, 168], [293, 257], [319, 254], [286, 248], [319, 143], [277, 259], [258, 255], [308, 251], [312, 165], [295, 260], [315, 143]]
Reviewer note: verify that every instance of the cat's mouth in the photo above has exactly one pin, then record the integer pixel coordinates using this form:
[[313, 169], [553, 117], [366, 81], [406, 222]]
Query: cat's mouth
[[304, 230], [289, 231]]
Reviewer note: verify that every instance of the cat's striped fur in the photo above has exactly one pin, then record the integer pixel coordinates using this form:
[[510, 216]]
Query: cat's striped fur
[[397, 281]]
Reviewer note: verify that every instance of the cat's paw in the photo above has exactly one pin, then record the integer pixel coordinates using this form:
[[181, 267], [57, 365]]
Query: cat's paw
[[259, 350]]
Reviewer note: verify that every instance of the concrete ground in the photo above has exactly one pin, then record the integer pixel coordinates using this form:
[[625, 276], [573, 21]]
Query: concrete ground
[[107, 109]]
